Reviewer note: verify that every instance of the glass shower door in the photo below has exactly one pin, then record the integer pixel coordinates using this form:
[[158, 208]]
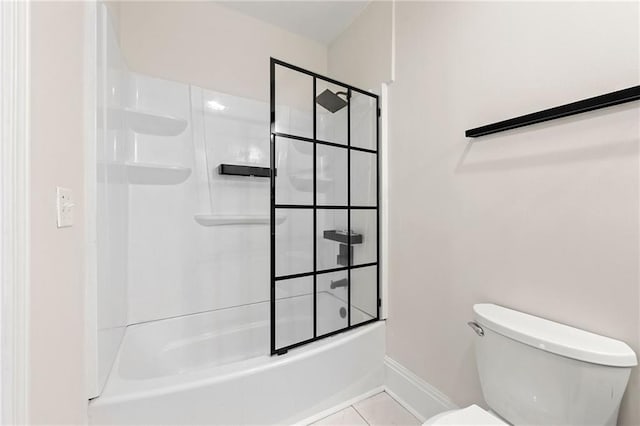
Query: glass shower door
[[324, 207]]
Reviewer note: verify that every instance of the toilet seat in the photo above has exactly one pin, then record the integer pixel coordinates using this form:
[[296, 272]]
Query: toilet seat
[[470, 416]]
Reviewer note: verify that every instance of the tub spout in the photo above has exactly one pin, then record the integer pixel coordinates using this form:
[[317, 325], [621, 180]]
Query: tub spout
[[339, 283]]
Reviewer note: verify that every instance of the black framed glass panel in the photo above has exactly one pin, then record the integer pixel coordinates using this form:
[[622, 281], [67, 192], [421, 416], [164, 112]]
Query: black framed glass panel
[[364, 178], [293, 106], [331, 176], [364, 121], [364, 305], [294, 172], [324, 207], [332, 301], [294, 308], [364, 230], [331, 239], [294, 242]]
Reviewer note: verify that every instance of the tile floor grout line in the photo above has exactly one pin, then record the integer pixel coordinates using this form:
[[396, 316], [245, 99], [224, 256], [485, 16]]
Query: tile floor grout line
[[360, 414], [393, 401], [326, 417], [402, 406]]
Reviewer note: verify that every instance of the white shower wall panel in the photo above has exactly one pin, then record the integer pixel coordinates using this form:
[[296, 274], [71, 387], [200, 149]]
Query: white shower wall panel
[[178, 266], [162, 232], [237, 134], [162, 99], [111, 203], [209, 268]]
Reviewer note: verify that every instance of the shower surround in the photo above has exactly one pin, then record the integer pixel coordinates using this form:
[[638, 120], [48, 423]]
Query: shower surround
[[182, 264]]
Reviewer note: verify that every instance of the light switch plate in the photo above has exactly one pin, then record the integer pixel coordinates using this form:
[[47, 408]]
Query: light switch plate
[[64, 207]]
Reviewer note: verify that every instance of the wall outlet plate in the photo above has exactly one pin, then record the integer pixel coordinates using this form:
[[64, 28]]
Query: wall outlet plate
[[64, 207]]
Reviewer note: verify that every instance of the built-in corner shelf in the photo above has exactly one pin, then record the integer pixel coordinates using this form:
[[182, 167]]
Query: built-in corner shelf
[[224, 220], [153, 124], [156, 174], [305, 183]]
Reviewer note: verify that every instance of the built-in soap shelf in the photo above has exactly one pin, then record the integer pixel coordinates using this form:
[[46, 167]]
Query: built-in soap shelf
[[228, 219], [156, 174], [151, 123], [304, 182]]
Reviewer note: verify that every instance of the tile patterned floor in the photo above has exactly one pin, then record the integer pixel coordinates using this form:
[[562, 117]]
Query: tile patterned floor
[[378, 410]]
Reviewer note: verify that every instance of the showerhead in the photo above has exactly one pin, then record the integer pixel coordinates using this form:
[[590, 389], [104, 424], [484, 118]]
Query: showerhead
[[331, 101]]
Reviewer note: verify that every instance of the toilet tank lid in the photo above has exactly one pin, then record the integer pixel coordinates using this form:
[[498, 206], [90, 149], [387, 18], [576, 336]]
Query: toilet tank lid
[[554, 337]]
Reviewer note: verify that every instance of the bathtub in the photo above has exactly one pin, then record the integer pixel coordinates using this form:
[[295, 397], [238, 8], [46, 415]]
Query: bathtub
[[215, 368]]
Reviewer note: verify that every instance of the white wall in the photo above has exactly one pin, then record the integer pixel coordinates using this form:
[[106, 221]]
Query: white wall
[[542, 219], [210, 46], [361, 55], [56, 364]]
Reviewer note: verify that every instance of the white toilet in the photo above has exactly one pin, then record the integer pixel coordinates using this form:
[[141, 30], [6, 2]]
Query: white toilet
[[536, 371]]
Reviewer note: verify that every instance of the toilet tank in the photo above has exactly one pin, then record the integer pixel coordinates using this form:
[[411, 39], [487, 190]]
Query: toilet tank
[[536, 371]]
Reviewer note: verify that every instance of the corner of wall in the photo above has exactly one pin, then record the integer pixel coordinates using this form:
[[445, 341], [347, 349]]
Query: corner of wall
[[363, 53], [419, 397]]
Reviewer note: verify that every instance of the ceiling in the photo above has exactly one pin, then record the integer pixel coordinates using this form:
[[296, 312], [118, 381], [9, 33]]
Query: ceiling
[[322, 21]]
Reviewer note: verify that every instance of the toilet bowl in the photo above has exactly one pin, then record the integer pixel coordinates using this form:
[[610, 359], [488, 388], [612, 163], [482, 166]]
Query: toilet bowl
[[536, 371], [472, 415]]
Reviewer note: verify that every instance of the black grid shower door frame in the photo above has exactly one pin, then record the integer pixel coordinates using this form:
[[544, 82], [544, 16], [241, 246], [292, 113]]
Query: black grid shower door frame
[[315, 207]]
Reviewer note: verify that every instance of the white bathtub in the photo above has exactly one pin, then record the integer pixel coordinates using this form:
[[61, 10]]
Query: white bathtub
[[214, 368]]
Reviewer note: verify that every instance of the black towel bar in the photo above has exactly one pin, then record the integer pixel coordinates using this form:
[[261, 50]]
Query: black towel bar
[[237, 170], [597, 102]]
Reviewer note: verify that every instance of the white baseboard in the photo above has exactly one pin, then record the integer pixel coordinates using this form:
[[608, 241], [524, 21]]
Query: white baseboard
[[419, 397], [413, 393]]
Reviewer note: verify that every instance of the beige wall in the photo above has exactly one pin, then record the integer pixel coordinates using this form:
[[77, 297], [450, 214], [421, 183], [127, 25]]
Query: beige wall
[[57, 388], [361, 55], [542, 219], [211, 46], [114, 11]]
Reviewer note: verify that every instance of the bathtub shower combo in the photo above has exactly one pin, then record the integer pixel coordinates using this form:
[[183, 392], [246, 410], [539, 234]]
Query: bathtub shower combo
[[228, 232], [324, 186]]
